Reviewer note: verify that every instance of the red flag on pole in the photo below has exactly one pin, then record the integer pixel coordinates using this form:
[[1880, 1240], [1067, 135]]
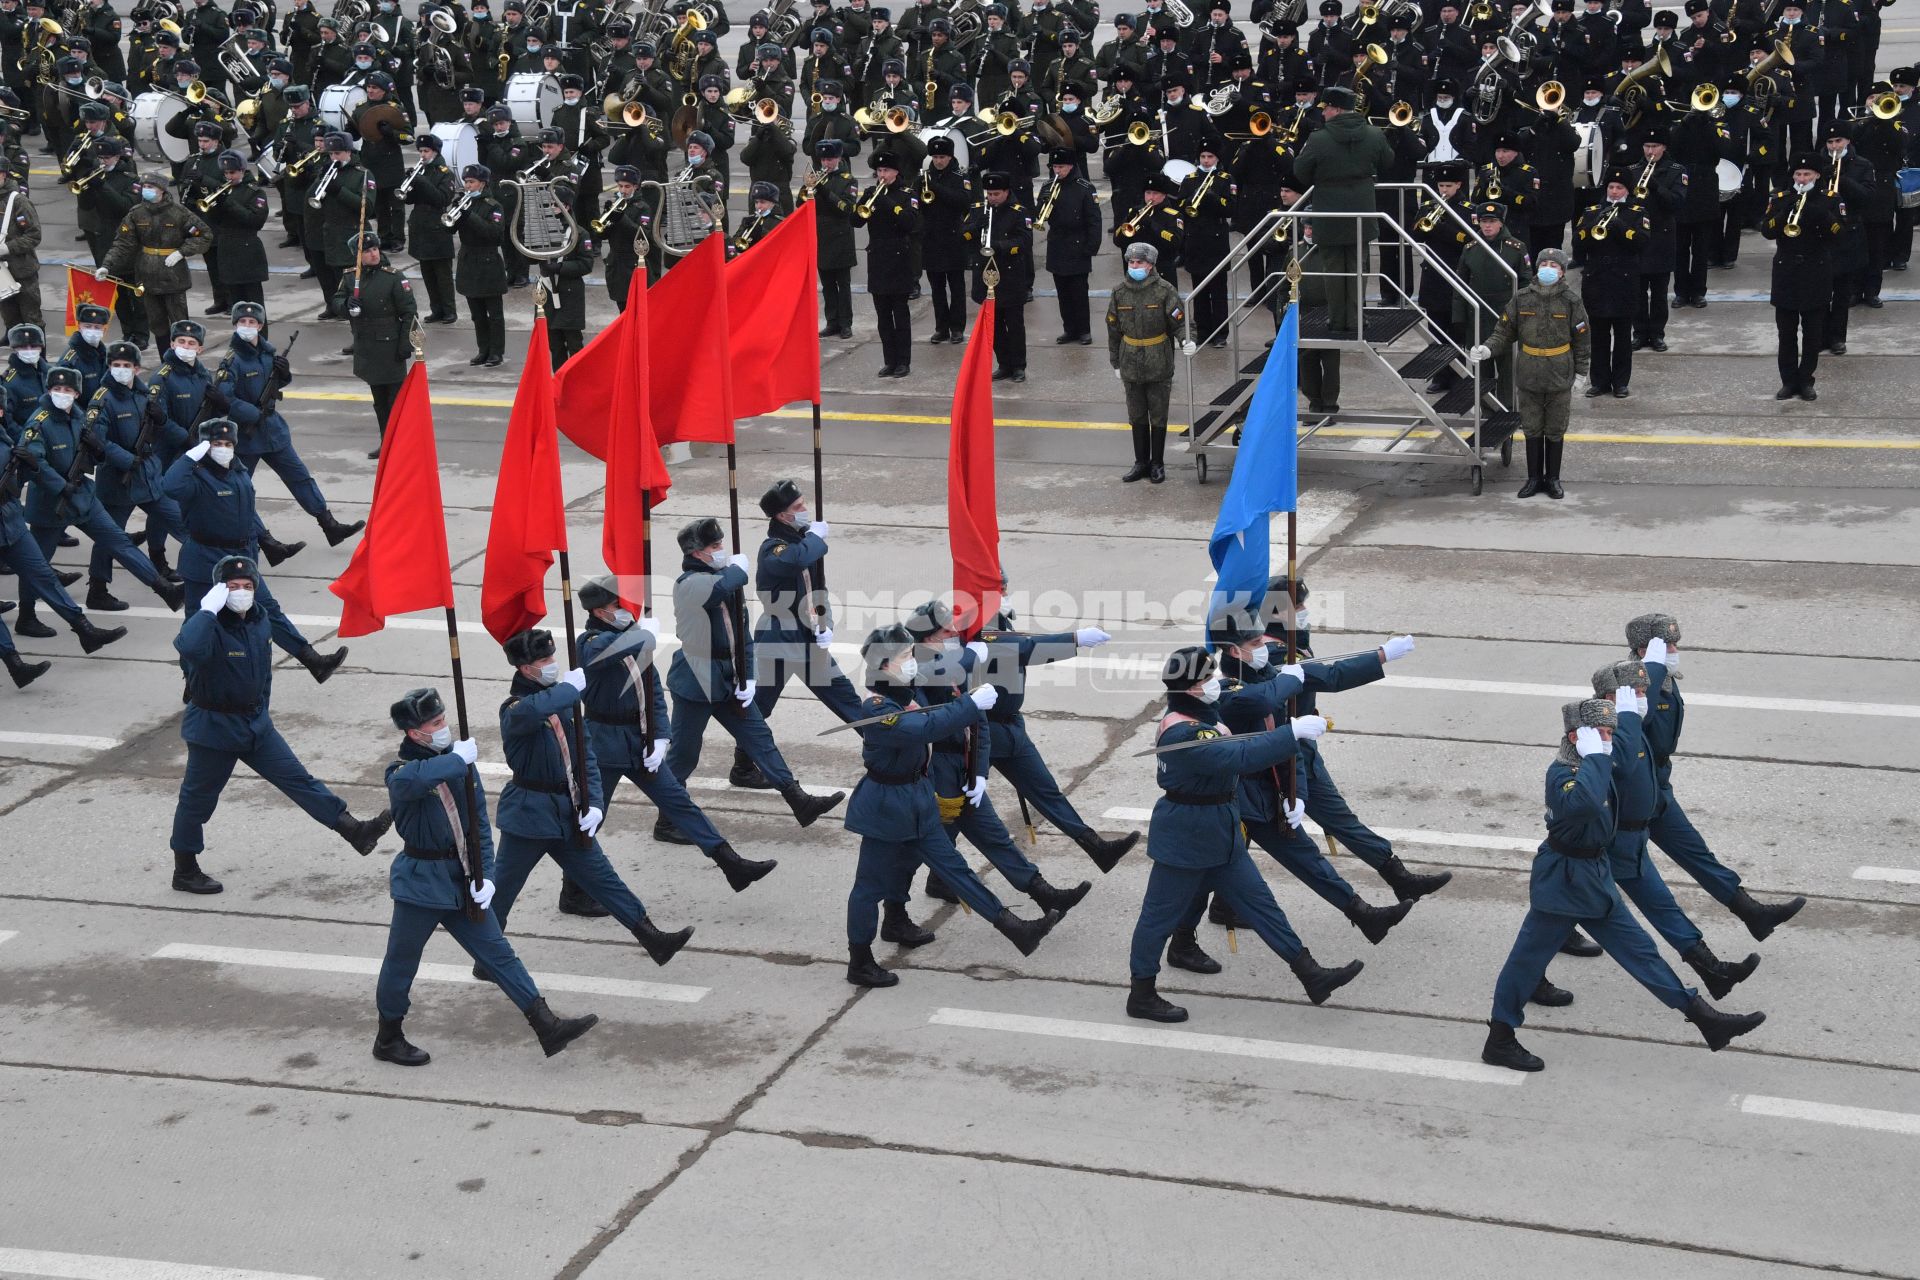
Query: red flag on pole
[[973, 518], [689, 387], [82, 288], [401, 563], [529, 513], [772, 320], [580, 387], [636, 477]]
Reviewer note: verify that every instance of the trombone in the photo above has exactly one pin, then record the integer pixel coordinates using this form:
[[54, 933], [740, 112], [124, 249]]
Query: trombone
[[1131, 227], [1399, 116], [1139, 134], [1881, 106]]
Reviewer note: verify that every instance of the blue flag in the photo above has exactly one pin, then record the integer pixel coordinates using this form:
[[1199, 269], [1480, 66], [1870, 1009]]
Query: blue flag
[[1265, 477]]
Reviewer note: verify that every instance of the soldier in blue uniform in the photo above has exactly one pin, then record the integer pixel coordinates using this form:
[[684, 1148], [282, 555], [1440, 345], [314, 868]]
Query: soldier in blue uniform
[[896, 813], [21, 554], [215, 497], [226, 651], [627, 722], [542, 811], [1196, 839], [1573, 884], [429, 786], [86, 352], [135, 433], [795, 632], [1655, 639], [67, 448], [25, 380], [249, 368], [709, 675]]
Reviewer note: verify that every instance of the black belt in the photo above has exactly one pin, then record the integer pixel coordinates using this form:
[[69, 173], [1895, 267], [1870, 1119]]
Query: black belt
[[230, 708], [1575, 853], [629, 719], [1009, 718], [1662, 761], [430, 855], [895, 779], [1199, 798], [941, 748], [552, 791], [1631, 826], [221, 543]]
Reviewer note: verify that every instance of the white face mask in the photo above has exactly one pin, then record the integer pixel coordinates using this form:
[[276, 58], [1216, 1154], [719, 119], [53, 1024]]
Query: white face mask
[[188, 354], [1443, 104], [550, 673], [906, 670], [1259, 658], [247, 332], [121, 374], [91, 335], [222, 454], [29, 355], [1803, 187], [442, 738], [1592, 100], [622, 619], [62, 400], [1210, 691], [571, 98], [801, 520], [240, 599]]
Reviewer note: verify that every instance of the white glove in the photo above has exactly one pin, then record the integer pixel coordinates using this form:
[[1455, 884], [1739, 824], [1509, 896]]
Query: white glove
[[1397, 647], [1579, 383], [823, 638], [820, 529], [467, 749], [1624, 701], [216, 598], [1308, 726], [1189, 347], [483, 896], [1657, 652], [590, 820], [1090, 637], [978, 649], [653, 759], [1117, 377], [99, 273], [174, 259], [577, 678], [745, 696], [975, 793], [737, 562], [984, 697], [1640, 703], [1295, 811], [1480, 351], [1588, 742], [200, 450], [651, 626], [1295, 670]]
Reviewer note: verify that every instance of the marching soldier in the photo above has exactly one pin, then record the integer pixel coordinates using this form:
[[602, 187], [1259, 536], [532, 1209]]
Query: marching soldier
[[480, 272], [379, 303], [86, 352], [1608, 237], [1144, 320], [136, 435], [225, 652], [429, 191], [21, 554], [891, 214], [238, 211], [1000, 232], [896, 811], [22, 234], [1069, 213], [439, 808], [1803, 223], [834, 195], [1548, 322]]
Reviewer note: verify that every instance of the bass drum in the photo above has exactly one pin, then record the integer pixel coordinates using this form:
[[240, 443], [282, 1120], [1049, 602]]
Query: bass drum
[[337, 105], [151, 141], [459, 144], [1589, 157], [532, 96], [1729, 176], [1908, 182]]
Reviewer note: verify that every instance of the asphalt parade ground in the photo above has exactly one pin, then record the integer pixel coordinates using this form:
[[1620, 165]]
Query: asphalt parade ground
[[186, 1091]]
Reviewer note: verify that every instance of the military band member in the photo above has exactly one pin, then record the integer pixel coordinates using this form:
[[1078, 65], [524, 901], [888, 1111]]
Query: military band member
[[946, 200], [1068, 211], [1608, 237], [226, 652], [620, 224], [891, 213], [195, 177], [439, 807], [379, 303], [429, 190], [236, 212], [583, 128], [1145, 319], [770, 149], [1492, 268], [1548, 322], [834, 194], [1156, 221], [1803, 222], [340, 204], [566, 293], [763, 203], [22, 237], [480, 271], [999, 230], [103, 203], [1660, 188]]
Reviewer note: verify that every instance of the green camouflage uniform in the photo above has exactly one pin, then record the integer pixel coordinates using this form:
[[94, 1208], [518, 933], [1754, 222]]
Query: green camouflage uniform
[[1549, 324], [1145, 324]]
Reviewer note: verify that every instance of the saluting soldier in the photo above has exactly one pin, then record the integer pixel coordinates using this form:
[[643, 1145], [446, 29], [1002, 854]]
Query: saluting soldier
[[429, 192], [1803, 224], [1145, 319], [1548, 322], [999, 230], [1071, 211], [1608, 237], [439, 808], [22, 246], [378, 302], [834, 194], [480, 272], [891, 214]]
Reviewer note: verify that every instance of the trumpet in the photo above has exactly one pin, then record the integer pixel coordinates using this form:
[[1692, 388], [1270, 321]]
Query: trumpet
[[317, 198], [1599, 231], [926, 188], [609, 215], [1833, 183], [205, 203], [1431, 218], [1131, 227], [1046, 205], [85, 180], [1791, 229], [1199, 193], [866, 204], [139, 290], [300, 164], [1644, 181], [458, 209], [741, 239], [808, 186], [1399, 116], [406, 183], [1706, 97]]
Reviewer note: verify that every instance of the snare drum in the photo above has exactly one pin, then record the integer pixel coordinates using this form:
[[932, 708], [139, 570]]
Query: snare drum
[[1908, 181], [459, 144], [532, 96], [1730, 176], [1589, 157], [337, 105], [151, 141]]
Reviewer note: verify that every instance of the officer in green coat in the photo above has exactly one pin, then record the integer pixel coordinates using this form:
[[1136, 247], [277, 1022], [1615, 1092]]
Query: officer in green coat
[[378, 302], [1483, 266], [1548, 322], [151, 248], [1144, 320], [346, 198], [1341, 162]]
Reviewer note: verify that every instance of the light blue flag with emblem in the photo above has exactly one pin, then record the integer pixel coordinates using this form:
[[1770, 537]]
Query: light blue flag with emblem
[[1266, 478]]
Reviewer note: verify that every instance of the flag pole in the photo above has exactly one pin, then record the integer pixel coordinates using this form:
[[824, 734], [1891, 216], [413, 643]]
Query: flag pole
[[819, 483], [580, 838], [476, 873], [649, 675], [738, 608]]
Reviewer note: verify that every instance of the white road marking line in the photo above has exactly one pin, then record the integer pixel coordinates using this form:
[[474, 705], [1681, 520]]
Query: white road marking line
[[1235, 1046], [1805, 706], [87, 1266], [1399, 835], [1900, 1122], [319, 963], [1893, 875], [81, 742]]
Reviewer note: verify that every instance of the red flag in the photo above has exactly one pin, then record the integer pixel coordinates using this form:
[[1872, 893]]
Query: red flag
[[401, 563], [636, 477], [775, 335], [690, 391], [82, 287], [973, 518], [529, 514], [580, 388]]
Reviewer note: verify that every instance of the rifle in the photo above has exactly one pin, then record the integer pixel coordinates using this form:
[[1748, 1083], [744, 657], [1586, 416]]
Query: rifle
[[151, 419], [270, 398], [10, 482], [83, 459]]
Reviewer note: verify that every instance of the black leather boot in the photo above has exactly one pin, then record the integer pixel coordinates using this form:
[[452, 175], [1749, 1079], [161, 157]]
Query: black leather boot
[[1143, 1001], [1550, 480], [1025, 934], [666, 833], [391, 1045], [1534, 455], [90, 636], [1183, 952], [556, 1032], [1502, 1049], [806, 808], [1049, 898], [101, 600], [1719, 976], [661, 946], [575, 901], [364, 833], [1761, 918], [1320, 982], [28, 625], [172, 594], [1375, 922], [741, 872], [320, 665], [1409, 885], [1545, 993], [277, 551], [1106, 853], [745, 773], [938, 888], [864, 971], [336, 532], [23, 672], [897, 927], [161, 567], [1220, 913], [189, 878], [1579, 944], [1720, 1029]]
